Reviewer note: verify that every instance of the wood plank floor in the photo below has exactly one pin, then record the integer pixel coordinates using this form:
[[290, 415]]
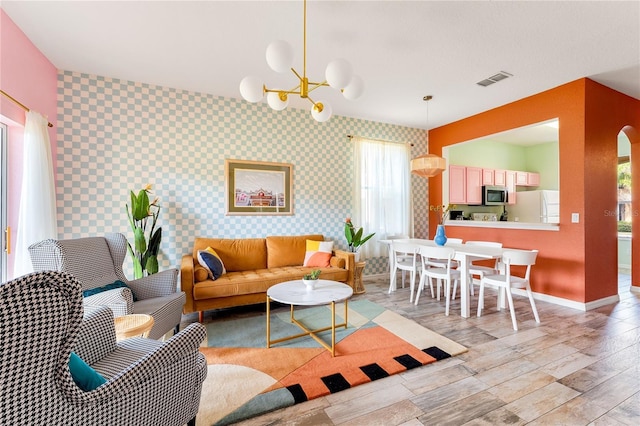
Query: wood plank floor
[[575, 368]]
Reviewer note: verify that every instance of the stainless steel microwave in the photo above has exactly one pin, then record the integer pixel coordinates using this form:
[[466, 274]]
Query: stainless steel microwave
[[494, 195]]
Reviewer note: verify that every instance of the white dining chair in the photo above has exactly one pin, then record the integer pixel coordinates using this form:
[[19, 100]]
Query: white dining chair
[[404, 258], [507, 281], [480, 270], [444, 272]]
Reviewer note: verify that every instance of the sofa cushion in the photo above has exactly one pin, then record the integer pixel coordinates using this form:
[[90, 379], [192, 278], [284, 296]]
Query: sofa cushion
[[288, 250], [318, 253], [258, 281], [243, 254]]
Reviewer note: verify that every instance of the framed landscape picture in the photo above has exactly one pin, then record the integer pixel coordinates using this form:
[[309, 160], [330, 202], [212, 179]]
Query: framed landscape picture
[[258, 188]]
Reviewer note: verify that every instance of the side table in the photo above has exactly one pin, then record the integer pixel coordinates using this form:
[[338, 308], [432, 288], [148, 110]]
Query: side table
[[358, 285], [133, 325]]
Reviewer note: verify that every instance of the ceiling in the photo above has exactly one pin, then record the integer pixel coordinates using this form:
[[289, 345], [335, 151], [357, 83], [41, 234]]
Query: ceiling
[[403, 50]]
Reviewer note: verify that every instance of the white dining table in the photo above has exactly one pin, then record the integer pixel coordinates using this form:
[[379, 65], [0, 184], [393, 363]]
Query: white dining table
[[465, 254]]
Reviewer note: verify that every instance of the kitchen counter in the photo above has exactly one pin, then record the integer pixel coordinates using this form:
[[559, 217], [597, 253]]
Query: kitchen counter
[[504, 225]]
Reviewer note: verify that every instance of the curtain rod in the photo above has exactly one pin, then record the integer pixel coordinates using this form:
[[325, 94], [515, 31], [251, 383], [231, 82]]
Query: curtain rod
[[20, 104], [378, 140]]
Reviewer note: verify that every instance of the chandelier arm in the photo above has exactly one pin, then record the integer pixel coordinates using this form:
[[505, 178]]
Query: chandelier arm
[[311, 100], [317, 85]]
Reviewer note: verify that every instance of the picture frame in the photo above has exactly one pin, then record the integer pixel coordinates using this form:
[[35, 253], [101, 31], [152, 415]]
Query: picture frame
[[258, 188]]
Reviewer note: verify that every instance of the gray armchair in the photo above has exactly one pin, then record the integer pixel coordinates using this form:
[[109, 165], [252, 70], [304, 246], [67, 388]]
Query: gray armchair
[[96, 262], [148, 382]]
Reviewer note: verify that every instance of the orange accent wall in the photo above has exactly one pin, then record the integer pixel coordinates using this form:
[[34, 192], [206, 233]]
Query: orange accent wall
[[578, 262]]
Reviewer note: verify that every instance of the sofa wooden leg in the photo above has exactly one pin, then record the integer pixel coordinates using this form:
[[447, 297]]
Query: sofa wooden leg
[[200, 316]]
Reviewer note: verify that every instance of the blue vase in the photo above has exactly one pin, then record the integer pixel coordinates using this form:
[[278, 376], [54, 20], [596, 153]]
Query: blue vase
[[441, 238]]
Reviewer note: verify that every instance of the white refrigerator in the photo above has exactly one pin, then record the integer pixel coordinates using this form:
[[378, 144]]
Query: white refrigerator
[[541, 206]]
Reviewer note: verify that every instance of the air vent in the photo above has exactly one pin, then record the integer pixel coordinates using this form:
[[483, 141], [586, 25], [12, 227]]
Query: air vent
[[494, 79]]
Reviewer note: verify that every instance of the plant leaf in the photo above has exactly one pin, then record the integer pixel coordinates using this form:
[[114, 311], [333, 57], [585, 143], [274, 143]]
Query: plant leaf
[[140, 241], [152, 265]]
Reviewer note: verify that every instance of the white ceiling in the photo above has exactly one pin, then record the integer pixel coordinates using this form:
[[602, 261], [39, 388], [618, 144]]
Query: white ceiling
[[403, 50]]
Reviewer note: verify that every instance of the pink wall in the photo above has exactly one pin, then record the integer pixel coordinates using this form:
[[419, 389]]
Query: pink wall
[[27, 75]]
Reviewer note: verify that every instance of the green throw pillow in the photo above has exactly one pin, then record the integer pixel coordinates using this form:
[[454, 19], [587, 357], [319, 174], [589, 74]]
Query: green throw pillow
[[85, 377]]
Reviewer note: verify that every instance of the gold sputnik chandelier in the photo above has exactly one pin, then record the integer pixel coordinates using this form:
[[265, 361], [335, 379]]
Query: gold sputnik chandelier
[[338, 74]]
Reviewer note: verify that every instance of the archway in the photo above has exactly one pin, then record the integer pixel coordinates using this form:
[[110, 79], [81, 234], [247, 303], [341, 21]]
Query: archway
[[633, 135], [624, 213]]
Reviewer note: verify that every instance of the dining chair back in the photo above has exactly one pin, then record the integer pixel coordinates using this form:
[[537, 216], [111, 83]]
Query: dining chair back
[[481, 270], [443, 272], [398, 237], [404, 258], [508, 281], [438, 262]]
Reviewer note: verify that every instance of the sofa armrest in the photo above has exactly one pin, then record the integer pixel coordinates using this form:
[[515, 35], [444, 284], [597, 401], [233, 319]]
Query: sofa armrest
[[350, 264], [187, 280]]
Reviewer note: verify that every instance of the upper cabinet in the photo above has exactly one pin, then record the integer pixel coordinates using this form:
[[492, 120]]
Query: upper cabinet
[[474, 185], [457, 184], [527, 179], [465, 183], [488, 177]]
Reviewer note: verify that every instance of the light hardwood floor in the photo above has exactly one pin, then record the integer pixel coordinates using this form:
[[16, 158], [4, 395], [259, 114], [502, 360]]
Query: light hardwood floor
[[575, 368]]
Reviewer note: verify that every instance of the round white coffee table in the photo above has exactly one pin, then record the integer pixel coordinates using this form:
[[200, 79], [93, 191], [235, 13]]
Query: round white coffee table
[[295, 293]]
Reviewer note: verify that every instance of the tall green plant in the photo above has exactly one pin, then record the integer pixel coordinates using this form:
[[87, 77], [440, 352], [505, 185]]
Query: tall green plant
[[146, 238]]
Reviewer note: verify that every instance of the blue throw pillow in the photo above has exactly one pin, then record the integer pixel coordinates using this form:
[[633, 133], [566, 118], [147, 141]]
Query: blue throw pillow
[[85, 377], [211, 263], [113, 285]]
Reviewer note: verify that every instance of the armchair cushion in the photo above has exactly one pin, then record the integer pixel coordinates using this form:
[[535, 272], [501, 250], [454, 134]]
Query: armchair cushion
[[85, 377], [113, 285]]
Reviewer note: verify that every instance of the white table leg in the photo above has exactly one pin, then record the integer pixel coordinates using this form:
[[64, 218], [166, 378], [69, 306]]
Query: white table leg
[[392, 275], [465, 309]]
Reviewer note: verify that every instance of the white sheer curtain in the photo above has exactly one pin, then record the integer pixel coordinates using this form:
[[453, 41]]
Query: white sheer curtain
[[381, 191], [37, 215]]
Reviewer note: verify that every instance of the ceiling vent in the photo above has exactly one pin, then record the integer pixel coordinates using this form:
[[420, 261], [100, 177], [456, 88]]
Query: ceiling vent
[[494, 79]]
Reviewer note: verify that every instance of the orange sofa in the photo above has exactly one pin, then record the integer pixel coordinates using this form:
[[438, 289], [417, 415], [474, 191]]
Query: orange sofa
[[252, 266]]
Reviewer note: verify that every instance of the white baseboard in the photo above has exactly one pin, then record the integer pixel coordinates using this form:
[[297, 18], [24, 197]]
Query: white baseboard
[[635, 289], [581, 306]]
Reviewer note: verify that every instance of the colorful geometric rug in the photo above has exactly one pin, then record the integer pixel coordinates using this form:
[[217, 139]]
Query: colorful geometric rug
[[245, 379]]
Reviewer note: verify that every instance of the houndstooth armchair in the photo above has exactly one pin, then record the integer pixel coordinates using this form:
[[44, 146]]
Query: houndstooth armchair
[[148, 382], [96, 262]]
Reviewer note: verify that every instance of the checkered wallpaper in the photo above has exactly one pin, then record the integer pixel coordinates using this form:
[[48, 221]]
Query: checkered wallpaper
[[115, 135]]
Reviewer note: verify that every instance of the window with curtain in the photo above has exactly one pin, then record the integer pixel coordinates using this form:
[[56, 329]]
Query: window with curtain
[[381, 191]]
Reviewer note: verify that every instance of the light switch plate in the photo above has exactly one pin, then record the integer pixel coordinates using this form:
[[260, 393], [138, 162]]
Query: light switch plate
[[575, 217]]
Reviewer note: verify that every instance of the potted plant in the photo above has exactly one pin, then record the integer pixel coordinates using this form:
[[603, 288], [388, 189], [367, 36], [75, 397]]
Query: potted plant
[[354, 237], [146, 238], [311, 278]]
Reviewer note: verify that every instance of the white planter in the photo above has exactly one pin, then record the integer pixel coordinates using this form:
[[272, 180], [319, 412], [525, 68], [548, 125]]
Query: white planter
[[357, 256], [310, 284]]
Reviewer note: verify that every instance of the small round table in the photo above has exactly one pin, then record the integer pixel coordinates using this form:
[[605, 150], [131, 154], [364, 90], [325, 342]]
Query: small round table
[[133, 325], [295, 293]]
